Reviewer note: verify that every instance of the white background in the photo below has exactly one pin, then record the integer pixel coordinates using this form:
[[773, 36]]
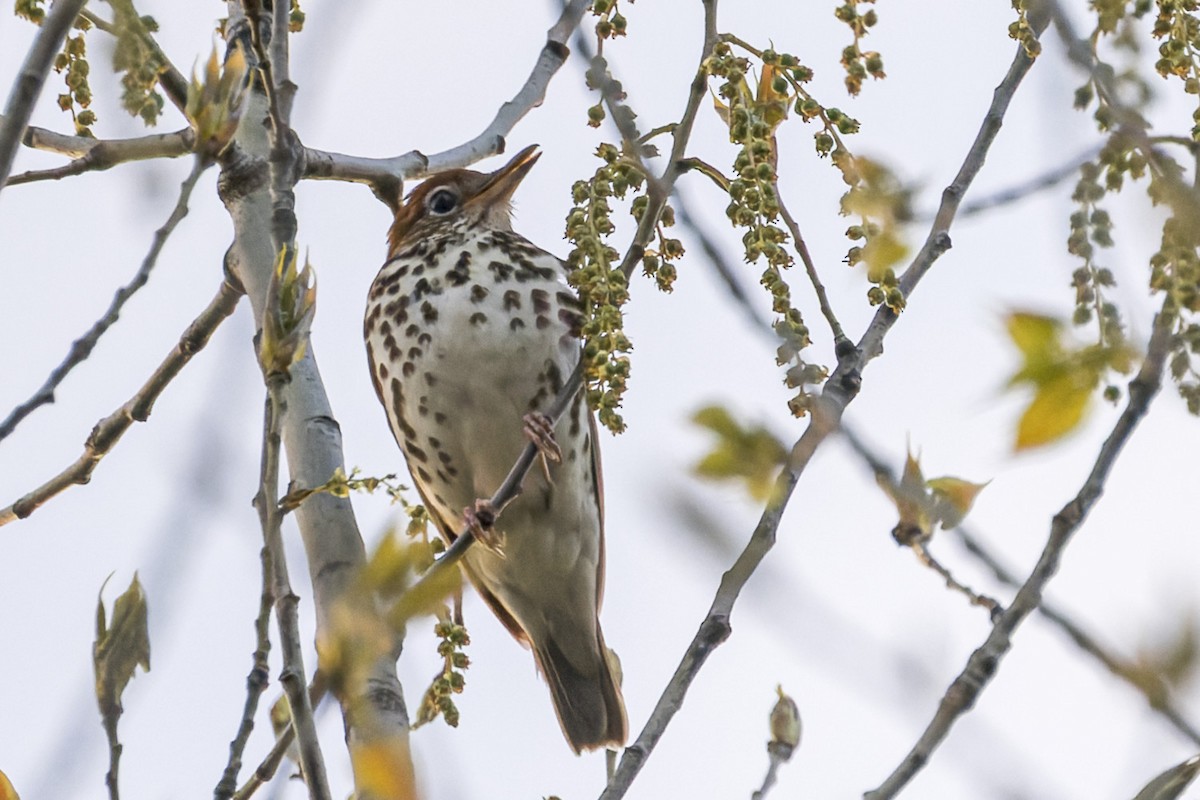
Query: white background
[[861, 636]]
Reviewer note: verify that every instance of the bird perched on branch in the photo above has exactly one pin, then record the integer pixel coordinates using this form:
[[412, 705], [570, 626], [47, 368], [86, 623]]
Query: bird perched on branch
[[471, 332]]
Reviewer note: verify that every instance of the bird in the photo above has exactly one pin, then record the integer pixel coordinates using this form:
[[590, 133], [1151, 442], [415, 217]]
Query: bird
[[471, 332]]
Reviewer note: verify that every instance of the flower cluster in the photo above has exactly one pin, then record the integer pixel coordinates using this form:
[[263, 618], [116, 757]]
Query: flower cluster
[[612, 22], [859, 64], [603, 287], [439, 697], [139, 61], [1022, 31], [1179, 53], [73, 63]]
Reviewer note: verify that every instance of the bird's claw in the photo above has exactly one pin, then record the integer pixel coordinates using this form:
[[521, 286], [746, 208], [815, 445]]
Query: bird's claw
[[539, 429], [481, 521]]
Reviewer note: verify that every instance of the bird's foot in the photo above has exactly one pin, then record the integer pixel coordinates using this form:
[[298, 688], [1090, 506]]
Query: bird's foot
[[539, 429], [481, 521]]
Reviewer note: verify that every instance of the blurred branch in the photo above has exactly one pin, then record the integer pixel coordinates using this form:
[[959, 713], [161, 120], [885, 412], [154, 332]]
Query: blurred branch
[[29, 82], [385, 175], [94, 155], [82, 347], [778, 757], [839, 391], [109, 430], [1014, 194], [983, 664]]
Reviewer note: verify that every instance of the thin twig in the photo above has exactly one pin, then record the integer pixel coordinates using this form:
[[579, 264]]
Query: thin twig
[[385, 175], [109, 430], [256, 683], [28, 86], [82, 347], [115, 748], [841, 388], [312, 763], [102, 154], [835, 327], [983, 664]]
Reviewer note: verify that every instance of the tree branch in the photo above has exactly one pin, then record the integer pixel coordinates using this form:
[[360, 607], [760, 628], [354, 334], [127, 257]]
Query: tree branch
[[82, 347], [102, 154], [28, 85], [385, 175], [835, 327], [109, 430], [981, 667]]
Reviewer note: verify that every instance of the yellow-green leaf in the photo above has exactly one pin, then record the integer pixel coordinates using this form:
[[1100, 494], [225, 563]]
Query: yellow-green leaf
[[1034, 335], [750, 454], [953, 498], [1057, 409], [120, 646]]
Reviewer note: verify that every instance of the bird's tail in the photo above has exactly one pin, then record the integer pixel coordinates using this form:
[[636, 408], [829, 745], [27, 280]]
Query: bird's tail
[[587, 697]]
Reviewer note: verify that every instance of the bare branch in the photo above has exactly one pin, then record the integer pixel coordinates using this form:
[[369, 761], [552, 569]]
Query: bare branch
[[102, 154], [82, 347], [32, 77], [981, 667], [835, 327], [385, 175], [109, 430]]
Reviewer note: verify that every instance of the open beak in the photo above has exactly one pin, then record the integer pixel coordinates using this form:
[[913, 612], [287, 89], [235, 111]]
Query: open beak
[[502, 183]]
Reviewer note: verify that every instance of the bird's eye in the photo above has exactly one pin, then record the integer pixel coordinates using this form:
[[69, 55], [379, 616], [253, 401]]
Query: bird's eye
[[441, 202]]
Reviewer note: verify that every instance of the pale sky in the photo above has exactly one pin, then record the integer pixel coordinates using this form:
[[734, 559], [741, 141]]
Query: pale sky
[[854, 629]]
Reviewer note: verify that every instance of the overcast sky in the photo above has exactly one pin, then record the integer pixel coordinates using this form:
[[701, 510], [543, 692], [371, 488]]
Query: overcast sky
[[856, 631]]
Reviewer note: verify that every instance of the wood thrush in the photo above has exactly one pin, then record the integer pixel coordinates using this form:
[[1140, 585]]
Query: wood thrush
[[471, 331]]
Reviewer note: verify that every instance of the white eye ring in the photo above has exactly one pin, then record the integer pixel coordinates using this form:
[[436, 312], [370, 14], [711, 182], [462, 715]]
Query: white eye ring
[[442, 202]]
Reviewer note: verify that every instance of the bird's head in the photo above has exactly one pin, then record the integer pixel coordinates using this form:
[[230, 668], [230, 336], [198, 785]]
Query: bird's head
[[461, 197]]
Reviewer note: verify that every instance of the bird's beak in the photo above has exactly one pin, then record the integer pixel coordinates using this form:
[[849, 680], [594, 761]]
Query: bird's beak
[[502, 183]]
